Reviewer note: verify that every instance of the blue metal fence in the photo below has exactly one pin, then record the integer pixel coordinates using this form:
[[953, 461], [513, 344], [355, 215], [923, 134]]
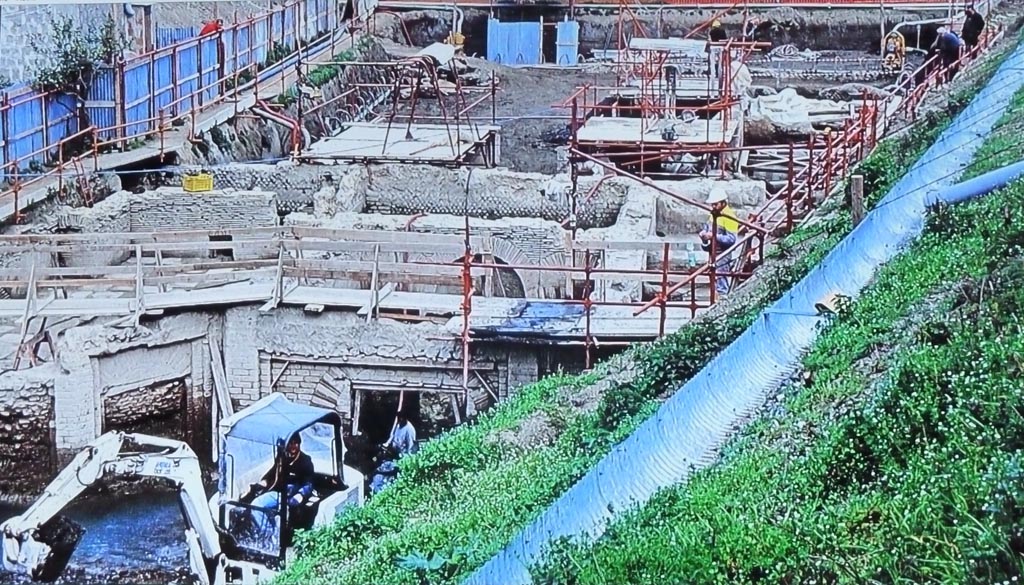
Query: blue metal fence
[[514, 43], [567, 46], [166, 37], [129, 101]]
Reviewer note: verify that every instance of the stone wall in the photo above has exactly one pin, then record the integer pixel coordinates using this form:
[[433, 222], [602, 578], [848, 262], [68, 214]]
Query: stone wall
[[139, 408], [21, 25], [636, 223], [100, 363], [26, 440], [675, 218], [492, 194], [291, 182], [168, 209]]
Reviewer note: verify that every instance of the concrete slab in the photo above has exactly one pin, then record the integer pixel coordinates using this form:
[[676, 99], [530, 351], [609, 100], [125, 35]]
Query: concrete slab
[[415, 143], [636, 130]]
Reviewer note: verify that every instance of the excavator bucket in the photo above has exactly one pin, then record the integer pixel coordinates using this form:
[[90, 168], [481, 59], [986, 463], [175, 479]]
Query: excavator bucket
[[52, 546]]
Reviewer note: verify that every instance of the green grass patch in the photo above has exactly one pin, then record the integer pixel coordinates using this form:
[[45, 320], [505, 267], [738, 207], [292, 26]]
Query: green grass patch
[[900, 463], [467, 493]]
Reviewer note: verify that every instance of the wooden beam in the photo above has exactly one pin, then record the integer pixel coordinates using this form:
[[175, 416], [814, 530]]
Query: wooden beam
[[374, 304], [357, 406], [139, 306], [374, 299], [220, 382], [277, 378]]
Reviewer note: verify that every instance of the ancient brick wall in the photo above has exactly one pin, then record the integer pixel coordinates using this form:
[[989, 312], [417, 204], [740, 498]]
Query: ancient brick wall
[[26, 442], [168, 209]]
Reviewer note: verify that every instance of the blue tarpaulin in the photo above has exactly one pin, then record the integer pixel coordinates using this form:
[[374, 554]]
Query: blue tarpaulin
[[532, 318], [277, 420]]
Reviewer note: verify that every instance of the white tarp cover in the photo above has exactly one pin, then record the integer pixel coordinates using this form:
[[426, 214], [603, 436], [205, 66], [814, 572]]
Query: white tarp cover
[[792, 113]]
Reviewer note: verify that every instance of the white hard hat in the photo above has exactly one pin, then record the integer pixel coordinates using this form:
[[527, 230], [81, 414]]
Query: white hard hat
[[942, 30], [717, 195]]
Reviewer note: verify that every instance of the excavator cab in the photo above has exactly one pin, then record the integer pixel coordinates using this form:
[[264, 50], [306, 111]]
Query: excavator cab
[[250, 443]]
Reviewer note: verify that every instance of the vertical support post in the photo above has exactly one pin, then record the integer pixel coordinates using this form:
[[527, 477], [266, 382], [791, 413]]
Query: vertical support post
[[664, 290], [586, 307], [847, 131], [139, 306], [810, 164], [467, 307], [828, 163], [789, 190], [713, 257], [857, 198], [374, 299]]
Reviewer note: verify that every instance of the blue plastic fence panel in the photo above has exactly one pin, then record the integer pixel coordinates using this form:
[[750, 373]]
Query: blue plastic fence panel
[[230, 51], [261, 43], [188, 77], [163, 82], [99, 104], [166, 37], [290, 12], [24, 123], [513, 43], [61, 118], [210, 61], [138, 98], [567, 47], [243, 57]]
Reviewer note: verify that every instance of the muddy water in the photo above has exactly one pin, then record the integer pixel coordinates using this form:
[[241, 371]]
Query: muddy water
[[133, 539]]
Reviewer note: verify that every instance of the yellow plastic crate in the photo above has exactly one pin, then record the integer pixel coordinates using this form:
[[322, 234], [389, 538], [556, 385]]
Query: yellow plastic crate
[[197, 183]]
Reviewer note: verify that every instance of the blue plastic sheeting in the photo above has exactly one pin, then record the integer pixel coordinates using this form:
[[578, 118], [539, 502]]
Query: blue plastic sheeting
[[278, 420], [567, 47], [686, 431], [166, 37], [533, 318], [513, 43]]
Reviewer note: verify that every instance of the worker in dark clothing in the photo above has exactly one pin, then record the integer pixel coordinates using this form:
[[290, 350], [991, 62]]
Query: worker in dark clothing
[[948, 45], [717, 33], [974, 23], [291, 476]]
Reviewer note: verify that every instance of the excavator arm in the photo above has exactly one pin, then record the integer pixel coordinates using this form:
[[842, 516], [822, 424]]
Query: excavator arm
[[39, 543]]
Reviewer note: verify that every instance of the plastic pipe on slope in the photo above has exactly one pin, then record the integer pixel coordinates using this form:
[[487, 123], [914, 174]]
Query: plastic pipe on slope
[[687, 430]]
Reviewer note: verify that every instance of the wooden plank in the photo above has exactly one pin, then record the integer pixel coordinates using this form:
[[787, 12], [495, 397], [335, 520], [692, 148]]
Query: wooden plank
[[387, 364], [277, 378], [357, 405], [139, 306], [390, 275], [374, 296], [375, 301], [220, 382]]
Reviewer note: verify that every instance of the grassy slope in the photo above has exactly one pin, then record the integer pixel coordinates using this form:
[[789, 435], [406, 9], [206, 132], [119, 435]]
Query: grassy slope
[[466, 494], [901, 462]]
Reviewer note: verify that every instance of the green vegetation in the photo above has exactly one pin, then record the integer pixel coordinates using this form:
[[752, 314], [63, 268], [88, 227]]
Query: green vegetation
[[899, 462], [469, 491], [321, 75]]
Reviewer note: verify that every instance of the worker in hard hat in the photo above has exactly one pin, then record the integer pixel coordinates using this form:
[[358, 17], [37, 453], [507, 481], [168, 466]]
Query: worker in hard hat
[[717, 33], [724, 218]]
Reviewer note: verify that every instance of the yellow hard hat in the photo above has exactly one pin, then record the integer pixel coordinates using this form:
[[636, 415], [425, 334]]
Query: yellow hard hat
[[716, 24]]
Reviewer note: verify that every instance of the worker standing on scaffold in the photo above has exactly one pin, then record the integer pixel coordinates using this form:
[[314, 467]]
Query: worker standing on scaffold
[[717, 33]]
